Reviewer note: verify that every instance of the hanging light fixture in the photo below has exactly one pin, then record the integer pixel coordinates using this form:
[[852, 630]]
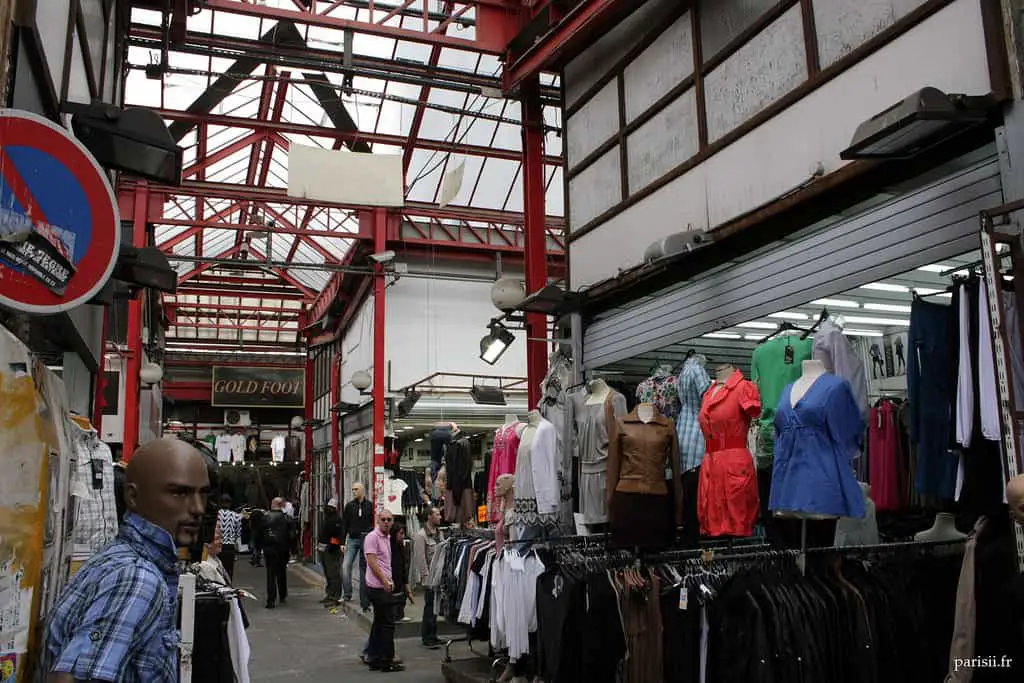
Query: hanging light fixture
[[495, 343]]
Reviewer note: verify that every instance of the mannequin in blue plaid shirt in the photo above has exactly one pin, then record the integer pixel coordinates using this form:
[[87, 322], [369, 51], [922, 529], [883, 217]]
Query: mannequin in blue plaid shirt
[[115, 621]]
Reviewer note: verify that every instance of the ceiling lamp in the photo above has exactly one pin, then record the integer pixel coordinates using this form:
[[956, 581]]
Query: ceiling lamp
[[361, 380], [495, 343], [923, 120], [151, 373], [487, 396]]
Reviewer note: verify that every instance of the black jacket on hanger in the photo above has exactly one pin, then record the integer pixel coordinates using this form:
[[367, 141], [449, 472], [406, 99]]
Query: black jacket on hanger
[[459, 468]]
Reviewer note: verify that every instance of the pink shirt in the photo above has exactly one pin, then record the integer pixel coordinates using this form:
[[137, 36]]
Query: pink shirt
[[376, 543]]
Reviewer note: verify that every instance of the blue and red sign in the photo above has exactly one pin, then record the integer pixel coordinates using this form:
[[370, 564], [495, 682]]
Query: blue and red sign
[[60, 229]]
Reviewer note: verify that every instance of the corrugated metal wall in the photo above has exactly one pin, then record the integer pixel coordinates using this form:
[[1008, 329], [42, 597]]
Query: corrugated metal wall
[[926, 225]]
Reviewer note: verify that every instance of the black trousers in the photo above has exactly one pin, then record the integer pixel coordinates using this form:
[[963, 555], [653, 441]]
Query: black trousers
[[331, 561], [428, 627], [276, 560], [228, 553], [691, 523], [382, 631]]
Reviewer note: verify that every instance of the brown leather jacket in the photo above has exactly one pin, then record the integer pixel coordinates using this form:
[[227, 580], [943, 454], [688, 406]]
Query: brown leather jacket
[[638, 455]]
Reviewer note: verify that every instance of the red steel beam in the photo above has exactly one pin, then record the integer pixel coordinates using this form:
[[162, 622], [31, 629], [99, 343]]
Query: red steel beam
[[275, 195], [364, 27], [578, 28], [205, 161], [380, 229], [535, 237], [256, 326], [199, 392], [182, 307], [198, 270], [133, 359], [262, 127], [223, 290]]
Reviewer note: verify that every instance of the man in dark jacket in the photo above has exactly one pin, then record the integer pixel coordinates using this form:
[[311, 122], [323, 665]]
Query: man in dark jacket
[[275, 532], [356, 521], [330, 552]]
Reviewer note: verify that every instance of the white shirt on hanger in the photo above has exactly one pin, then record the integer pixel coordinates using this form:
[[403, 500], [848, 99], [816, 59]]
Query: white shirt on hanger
[[277, 448], [965, 375], [223, 447], [238, 448], [393, 490]]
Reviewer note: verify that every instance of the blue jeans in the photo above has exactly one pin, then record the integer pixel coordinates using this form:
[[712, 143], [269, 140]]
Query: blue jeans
[[354, 550]]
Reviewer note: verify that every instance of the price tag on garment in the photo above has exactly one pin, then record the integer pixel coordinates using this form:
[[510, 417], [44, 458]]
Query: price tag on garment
[[789, 355], [684, 599]]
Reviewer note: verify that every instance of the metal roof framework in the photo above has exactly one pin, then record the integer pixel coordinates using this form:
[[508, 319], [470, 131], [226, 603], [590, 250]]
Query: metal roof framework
[[244, 81]]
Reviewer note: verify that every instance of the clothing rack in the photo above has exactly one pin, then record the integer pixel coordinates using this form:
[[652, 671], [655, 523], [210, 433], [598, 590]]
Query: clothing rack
[[814, 328], [784, 326]]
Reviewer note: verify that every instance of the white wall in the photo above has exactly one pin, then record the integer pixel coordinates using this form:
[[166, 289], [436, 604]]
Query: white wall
[[357, 351], [946, 51], [436, 326]]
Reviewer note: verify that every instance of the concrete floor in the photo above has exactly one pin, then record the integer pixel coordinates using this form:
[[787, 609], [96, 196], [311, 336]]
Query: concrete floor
[[302, 641]]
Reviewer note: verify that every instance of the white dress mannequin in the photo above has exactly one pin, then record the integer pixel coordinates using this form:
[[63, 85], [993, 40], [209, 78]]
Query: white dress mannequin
[[511, 419], [599, 391], [944, 529], [812, 370], [537, 475]]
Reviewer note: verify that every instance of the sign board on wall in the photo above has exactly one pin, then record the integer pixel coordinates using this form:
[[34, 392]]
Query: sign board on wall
[[60, 230], [259, 387]]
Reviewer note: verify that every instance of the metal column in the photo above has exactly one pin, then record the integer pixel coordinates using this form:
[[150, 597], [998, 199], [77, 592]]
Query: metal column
[[307, 462], [336, 422], [133, 361], [535, 234], [98, 402], [380, 223]]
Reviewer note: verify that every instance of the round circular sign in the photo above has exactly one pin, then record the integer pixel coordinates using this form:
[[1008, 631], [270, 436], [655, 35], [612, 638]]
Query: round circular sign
[[60, 229]]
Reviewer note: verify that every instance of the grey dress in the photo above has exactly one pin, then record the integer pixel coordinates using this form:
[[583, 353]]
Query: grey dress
[[591, 430]]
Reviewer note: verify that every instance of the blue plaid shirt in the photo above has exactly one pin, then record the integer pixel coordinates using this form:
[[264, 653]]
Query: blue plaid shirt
[[116, 620], [693, 382]]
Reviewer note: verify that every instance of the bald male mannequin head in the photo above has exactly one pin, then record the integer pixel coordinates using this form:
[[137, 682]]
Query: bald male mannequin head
[[166, 483], [1015, 498]]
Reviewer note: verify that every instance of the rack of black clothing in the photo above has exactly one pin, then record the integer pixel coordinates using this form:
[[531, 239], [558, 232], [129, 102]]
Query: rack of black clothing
[[871, 613]]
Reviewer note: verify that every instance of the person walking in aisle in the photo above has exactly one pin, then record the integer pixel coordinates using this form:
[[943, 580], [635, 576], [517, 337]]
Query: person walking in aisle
[[423, 547], [400, 572], [330, 552], [379, 588], [356, 522], [116, 619], [276, 538], [229, 524]]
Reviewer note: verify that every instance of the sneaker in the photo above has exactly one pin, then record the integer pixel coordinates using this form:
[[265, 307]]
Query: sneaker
[[406, 619], [431, 645]]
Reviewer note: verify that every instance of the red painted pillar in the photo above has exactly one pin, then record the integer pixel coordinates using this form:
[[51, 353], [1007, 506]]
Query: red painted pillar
[[133, 360], [336, 422], [380, 223], [98, 402], [534, 234], [307, 464]]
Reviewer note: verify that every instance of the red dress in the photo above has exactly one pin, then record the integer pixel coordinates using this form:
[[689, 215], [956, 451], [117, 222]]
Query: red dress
[[727, 501], [503, 461]]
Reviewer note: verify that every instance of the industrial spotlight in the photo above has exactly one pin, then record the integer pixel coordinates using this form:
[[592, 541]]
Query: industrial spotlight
[[918, 123], [495, 343], [487, 395], [383, 256]]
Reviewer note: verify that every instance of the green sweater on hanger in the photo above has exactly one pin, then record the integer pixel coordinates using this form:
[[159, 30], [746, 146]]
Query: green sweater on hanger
[[772, 368]]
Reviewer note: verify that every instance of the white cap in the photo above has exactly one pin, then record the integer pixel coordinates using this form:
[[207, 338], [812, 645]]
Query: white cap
[[332, 503]]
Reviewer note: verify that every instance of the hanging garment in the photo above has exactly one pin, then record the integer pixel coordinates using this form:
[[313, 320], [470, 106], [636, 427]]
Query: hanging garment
[[92, 485], [832, 348], [554, 407], [639, 454], [814, 447], [774, 365], [930, 389], [965, 374], [886, 456], [277, 445], [592, 423], [536, 501], [851, 531], [503, 461], [222, 446], [459, 480], [661, 390], [693, 382], [727, 502]]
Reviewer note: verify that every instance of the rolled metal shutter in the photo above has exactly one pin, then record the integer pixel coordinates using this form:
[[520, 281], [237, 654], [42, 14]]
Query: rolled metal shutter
[[925, 225]]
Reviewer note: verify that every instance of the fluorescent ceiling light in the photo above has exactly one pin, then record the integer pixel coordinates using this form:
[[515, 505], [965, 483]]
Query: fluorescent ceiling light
[[885, 287], [889, 308], [935, 268], [862, 333], [884, 322], [721, 335], [927, 291], [752, 337], [836, 303], [759, 326], [786, 315]]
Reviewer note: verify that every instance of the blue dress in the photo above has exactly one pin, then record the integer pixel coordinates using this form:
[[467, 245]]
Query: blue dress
[[815, 444]]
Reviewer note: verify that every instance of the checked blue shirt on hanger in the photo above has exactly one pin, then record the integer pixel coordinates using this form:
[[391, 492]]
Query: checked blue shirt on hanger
[[116, 620]]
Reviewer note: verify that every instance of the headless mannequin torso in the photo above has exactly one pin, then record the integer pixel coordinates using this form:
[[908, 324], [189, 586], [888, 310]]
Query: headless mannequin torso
[[722, 375], [944, 529], [645, 411], [533, 419], [812, 370], [599, 391], [511, 419]]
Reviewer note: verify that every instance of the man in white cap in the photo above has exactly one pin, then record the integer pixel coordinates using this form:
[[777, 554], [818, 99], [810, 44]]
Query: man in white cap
[[329, 546]]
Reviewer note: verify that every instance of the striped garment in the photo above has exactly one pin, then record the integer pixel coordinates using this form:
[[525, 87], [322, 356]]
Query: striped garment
[[693, 382]]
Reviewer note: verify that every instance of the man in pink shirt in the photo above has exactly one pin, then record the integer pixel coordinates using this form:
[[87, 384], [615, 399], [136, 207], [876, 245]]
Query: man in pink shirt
[[379, 587]]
